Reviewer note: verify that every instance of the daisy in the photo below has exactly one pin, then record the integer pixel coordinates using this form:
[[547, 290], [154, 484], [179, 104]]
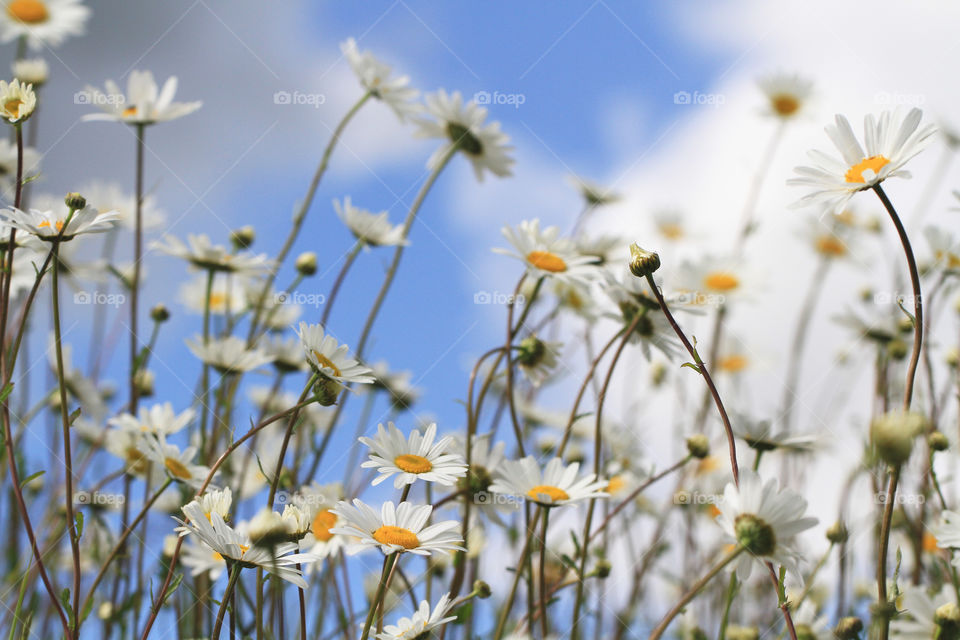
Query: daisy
[[485, 458], [652, 330], [112, 197], [8, 162], [605, 249], [160, 420], [329, 359], [216, 501], [670, 224], [556, 485], [546, 254], [421, 623], [537, 358], [593, 194], [760, 435], [144, 103], [373, 229], [944, 247], [44, 23], [17, 101], [397, 384], [229, 354], [787, 94], [830, 241], [413, 458], [891, 141], [397, 529], [286, 352], [178, 464], [33, 71], [809, 625], [925, 614], [49, 224], [203, 254], [763, 519], [374, 75], [227, 296], [462, 124], [200, 559], [320, 540], [713, 280], [232, 544]]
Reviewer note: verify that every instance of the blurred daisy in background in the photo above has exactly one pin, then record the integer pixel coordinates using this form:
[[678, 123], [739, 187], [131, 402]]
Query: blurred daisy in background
[[43, 23]]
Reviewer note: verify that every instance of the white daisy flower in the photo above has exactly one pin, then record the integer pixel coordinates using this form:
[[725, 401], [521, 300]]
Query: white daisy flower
[[17, 101], [44, 23], [113, 197], [462, 124], [593, 193], [231, 543], [397, 529], [546, 254], [416, 458], [48, 225], [200, 559], [33, 71], [714, 280], [923, 614], [374, 75], [422, 623], [227, 295], [537, 358], [159, 419], [286, 352], [403, 394], [652, 330], [555, 486], [144, 103], [203, 254], [320, 540], [229, 354], [787, 94], [890, 142], [216, 501], [809, 625], [944, 247], [372, 229], [605, 249], [329, 358], [761, 436], [178, 464], [670, 224], [763, 519]]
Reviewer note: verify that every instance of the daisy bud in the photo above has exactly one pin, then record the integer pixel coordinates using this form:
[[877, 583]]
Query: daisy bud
[[75, 201], [105, 611], [160, 313], [482, 589], [326, 391], [892, 435], [938, 441], [267, 528], [837, 533], [531, 351], [297, 521], [905, 325], [699, 446], [755, 535], [306, 263], [736, 632], [848, 628], [643, 263], [953, 358], [947, 619], [144, 380], [897, 349], [603, 569], [243, 237]]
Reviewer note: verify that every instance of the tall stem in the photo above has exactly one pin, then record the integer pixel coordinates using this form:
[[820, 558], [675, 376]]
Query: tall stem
[[135, 281], [543, 574], [225, 600], [388, 562], [884, 546]]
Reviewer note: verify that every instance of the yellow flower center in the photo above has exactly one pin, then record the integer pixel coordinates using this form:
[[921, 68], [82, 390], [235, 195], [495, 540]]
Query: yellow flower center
[[950, 260], [721, 281], [785, 104], [555, 494], [671, 230], [216, 555], [46, 225], [398, 536], [324, 363], [218, 300], [831, 246], [177, 469], [733, 363], [873, 163], [28, 11], [412, 463], [243, 549], [322, 523], [929, 542], [714, 511], [708, 464], [136, 460], [130, 111], [615, 484], [12, 107], [547, 261]]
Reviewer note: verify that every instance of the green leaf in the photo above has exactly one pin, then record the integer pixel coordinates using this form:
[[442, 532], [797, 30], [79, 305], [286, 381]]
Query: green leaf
[[5, 393], [32, 476], [78, 517]]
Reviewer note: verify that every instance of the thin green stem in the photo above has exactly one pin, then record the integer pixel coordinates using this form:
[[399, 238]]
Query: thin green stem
[[388, 562], [225, 599]]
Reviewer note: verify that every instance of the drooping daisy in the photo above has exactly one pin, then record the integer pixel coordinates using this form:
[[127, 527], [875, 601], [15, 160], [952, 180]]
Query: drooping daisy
[[33, 71], [556, 485], [48, 225], [159, 419], [44, 23], [144, 103], [229, 354], [787, 94], [462, 124], [17, 101], [397, 529], [537, 359], [374, 76], [761, 436], [545, 253], [397, 384], [373, 229], [227, 295], [203, 254], [763, 519], [422, 623], [890, 142], [330, 359], [231, 543], [416, 458]]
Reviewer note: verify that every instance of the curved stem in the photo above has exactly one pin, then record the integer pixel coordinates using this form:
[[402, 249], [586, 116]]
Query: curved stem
[[224, 601], [341, 276]]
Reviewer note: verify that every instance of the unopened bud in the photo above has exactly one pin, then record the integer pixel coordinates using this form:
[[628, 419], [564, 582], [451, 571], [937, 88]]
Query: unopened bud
[[243, 237], [698, 445], [306, 263], [75, 201], [643, 263], [160, 313], [848, 628]]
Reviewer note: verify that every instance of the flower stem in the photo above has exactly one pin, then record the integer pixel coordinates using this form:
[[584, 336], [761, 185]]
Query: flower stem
[[225, 599], [135, 281], [693, 592], [543, 574], [884, 628], [388, 562]]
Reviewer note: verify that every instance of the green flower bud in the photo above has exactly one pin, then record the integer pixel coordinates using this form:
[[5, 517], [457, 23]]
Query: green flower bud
[[243, 237], [848, 628], [160, 313], [755, 535], [938, 441], [482, 589], [698, 445], [837, 533], [75, 201], [306, 263], [643, 263], [892, 435]]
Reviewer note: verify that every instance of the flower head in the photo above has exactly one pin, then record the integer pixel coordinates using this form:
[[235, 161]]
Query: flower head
[[44, 23], [555, 485], [372, 229], [374, 75], [421, 623], [396, 529], [787, 94], [17, 101], [546, 254], [415, 458], [144, 103], [229, 354], [52, 224], [203, 254], [890, 141], [330, 359]]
